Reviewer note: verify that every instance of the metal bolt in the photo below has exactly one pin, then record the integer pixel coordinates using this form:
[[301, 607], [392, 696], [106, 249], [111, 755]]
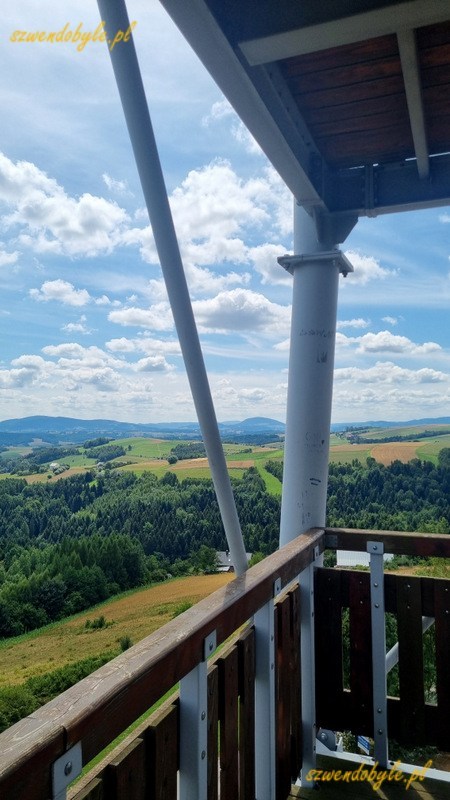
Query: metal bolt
[[375, 547], [203, 754], [376, 585], [377, 605], [203, 715], [211, 647], [380, 731], [68, 768], [379, 711]]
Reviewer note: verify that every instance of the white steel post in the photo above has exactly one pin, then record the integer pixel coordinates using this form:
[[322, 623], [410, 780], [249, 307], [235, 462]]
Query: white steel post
[[134, 103], [315, 268], [265, 733], [378, 626]]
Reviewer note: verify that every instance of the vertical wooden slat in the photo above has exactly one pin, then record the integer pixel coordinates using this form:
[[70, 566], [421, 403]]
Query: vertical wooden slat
[[328, 646], [360, 652], [228, 715], [282, 701], [213, 732], [246, 651], [410, 665], [442, 633], [125, 776], [163, 754], [296, 694]]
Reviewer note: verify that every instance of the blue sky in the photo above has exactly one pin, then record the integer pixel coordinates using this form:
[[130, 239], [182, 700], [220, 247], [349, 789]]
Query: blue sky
[[85, 326]]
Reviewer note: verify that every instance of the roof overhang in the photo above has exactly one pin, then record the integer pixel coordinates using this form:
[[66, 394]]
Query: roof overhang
[[349, 99]]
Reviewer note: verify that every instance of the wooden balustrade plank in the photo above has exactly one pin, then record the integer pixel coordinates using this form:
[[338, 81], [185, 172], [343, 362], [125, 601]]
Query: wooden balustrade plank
[[125, 776], [328, 644], [27, 751], [213, 732], [94, 790], [282, 697], [246, 653], [360, 651], [414, 544], [410, 665], [228, 716], [442, 634], [162, 758], [296, 694]]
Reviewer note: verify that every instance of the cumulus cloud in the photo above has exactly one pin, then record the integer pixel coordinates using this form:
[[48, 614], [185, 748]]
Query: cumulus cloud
[[241, 310], [153, 364], [158, 317], [77, 327], [389, 373], [62, 291], [353, 323], [8, 258], [387, 342], [366, 268], [144, 344], [50, 220]]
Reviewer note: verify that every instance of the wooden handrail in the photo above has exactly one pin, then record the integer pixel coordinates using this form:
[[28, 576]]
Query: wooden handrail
[[401, 543], [101, 706]]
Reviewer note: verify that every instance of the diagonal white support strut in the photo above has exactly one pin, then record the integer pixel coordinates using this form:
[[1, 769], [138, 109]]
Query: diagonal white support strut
[[134, 103]]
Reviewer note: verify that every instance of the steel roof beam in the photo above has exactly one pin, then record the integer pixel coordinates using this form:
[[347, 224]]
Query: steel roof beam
[[345, 30], [411, 75]]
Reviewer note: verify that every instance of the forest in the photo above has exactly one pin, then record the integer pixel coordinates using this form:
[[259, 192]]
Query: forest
[[69, 544]]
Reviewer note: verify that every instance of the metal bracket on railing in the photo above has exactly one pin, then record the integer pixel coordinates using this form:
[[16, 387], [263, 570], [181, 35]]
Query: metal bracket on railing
[[64, 770], [209, 645], [376, 551], [277, 587]]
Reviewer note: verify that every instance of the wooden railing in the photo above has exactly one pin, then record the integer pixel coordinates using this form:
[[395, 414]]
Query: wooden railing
[[99, 708], [78, 724], [410, 719]]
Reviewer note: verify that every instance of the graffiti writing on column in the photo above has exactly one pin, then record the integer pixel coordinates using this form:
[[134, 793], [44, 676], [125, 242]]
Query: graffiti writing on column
[[321, 334], [314, 441]]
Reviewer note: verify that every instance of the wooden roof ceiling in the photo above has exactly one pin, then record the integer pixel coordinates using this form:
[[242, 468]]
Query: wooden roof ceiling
[[350, 99]]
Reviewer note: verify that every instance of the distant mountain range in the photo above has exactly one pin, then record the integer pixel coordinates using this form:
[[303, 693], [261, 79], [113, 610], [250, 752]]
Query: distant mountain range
[[68, 429]]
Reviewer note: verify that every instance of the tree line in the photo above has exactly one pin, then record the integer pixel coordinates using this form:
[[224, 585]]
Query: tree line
[[67, 545]]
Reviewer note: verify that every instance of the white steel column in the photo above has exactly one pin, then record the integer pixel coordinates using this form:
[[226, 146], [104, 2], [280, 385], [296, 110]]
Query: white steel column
[[315, 268]]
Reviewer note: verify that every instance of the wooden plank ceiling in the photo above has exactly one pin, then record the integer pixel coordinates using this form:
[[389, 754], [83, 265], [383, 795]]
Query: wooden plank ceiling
[[349, 99], [353, 97]]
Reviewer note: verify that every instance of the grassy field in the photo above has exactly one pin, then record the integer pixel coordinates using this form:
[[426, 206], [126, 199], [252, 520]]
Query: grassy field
[[135, 614]]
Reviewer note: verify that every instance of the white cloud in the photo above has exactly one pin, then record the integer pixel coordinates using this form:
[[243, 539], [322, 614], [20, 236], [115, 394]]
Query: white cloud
[[241, 310], [389, 373], [77, 327], [152, 364], [62, 291], [366, 268], [144, 344], [157, 317], [386, 342], [49, 220], [264, 258], [119, 187], [8, 258], [390, 320], [353, 323]]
